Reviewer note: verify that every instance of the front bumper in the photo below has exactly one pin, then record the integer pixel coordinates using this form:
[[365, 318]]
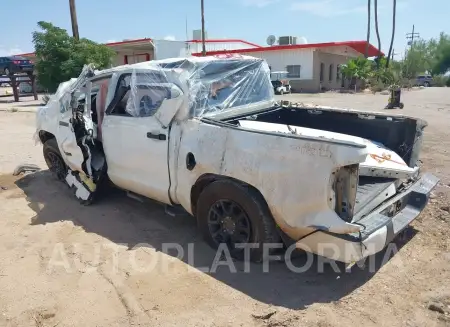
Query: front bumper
[[378, 229]]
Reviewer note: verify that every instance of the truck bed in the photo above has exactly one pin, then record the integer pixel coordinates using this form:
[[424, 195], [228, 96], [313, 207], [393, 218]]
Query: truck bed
[[371, 192]]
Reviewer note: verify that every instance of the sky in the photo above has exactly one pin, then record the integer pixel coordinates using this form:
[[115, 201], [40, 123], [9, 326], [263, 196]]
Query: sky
[[251, 20]]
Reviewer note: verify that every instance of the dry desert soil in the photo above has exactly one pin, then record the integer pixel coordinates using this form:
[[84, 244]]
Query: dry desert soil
[[64, 264]]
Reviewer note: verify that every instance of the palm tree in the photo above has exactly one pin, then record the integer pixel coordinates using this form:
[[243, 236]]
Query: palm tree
[[377, 31], [356, 70], [368, 29], [393, 33]]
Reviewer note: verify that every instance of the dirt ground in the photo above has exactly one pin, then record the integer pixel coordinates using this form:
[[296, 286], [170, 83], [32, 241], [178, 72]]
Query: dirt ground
[[63, 264]]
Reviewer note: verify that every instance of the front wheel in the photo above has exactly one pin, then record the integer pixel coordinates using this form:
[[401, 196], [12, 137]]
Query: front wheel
[[281, 92], [237, 216], [53, 159]]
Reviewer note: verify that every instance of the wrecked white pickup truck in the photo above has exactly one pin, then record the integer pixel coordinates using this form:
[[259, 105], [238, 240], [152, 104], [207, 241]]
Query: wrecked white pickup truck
[[205, 134]]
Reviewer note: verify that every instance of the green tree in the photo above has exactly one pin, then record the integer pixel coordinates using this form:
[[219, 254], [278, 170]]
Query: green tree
[[427, 56], [418, 59], [441, 50], [357, 69], [60, 57]]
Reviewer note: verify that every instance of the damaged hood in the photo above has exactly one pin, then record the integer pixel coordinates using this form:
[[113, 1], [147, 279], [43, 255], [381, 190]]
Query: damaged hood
[[379, 162]]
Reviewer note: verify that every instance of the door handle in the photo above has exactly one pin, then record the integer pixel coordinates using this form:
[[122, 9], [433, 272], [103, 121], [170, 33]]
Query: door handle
[[160, 137]]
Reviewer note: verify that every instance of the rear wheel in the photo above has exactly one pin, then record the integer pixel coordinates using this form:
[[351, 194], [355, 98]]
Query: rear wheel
[[53, 159], [235, 215]]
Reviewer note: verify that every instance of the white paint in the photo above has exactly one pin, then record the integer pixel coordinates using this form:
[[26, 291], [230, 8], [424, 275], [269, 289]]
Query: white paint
[[296, 191], [81, 192], [341, 51], [279, 59], [196, 47], [67, 142], [135, 162], [337, 248], [169, 49], [380, 161]]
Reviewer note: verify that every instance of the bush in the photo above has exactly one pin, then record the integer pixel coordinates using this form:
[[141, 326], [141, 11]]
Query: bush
[[378, 87], [440, 80], [405, 83]]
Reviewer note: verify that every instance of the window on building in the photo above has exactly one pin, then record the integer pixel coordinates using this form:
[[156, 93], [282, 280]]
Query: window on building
[[330, 72], [338, 72], [322, 68], [293, 71]]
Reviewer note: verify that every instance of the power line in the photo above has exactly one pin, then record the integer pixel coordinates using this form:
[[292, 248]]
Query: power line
[[411, 36], [394, 54]]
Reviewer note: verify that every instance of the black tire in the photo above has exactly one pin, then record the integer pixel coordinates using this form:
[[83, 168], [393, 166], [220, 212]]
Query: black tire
[[401, 106], [426, 84], [247, 202], [53, 159], [281, 92]]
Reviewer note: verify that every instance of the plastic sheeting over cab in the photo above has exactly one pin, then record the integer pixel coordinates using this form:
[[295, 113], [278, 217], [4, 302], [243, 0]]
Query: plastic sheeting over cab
[[210, 86]]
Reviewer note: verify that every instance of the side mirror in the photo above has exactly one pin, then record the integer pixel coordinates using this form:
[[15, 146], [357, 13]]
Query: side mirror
[[170, 106]]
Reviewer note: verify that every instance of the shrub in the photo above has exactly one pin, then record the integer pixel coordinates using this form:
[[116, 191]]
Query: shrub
[[440, 80], [378, 87]]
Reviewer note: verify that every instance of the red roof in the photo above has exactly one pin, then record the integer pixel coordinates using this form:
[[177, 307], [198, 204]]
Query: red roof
[[226, 41], [128, 41], [29, 54], [359, 46]]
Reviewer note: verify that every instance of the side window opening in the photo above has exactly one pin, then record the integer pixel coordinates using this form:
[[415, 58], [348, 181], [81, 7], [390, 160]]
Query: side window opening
[[139, 95]]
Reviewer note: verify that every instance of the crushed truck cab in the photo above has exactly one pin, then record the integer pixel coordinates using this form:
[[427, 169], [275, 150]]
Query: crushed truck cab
[[206, 134]]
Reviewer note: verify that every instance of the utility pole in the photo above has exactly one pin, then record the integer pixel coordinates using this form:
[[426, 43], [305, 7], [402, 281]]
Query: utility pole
[[203, 29], [411, 36], [394, 54], [73, 17]]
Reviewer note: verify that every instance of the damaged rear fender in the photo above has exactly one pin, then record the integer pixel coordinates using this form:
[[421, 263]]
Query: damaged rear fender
[[295, 176]]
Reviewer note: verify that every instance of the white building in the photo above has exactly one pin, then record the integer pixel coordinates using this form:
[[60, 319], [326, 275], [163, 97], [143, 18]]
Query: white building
[[309, 67]]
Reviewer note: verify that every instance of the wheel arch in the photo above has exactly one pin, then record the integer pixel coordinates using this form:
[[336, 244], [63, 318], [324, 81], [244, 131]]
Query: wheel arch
[[44, 136], [206, 179]]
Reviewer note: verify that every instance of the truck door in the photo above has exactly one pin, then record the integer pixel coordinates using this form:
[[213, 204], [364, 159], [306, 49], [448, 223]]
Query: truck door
[[66, 138], [136, 146]]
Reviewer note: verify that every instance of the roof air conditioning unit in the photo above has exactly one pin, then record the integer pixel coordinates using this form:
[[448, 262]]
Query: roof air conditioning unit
[[287, 40]]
